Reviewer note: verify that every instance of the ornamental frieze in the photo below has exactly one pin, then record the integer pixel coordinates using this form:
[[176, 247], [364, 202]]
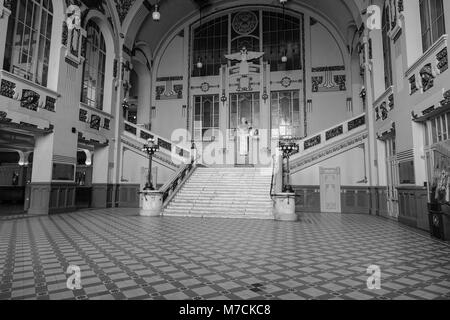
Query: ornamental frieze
[[426, 74], [169, 90], [329, 151], [442, 58], [30, 100], [328, 78], [8, 89], [123, 7]]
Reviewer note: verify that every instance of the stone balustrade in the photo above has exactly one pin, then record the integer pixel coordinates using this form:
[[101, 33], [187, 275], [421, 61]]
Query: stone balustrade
[[142, 135], [29, 95], [383, 105], [328, 136], [430, 66]]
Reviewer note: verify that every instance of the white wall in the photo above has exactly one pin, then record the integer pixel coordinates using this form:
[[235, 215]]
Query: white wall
[[328, 108], [350, 162], [133, 165], [169, 114]]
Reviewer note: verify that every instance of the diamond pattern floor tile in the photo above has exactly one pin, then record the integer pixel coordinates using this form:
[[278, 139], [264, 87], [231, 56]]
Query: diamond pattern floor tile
[[125, 256]]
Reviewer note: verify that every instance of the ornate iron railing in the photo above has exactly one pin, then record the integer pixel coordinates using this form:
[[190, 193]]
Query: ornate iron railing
[[168, 190], [276, 186]]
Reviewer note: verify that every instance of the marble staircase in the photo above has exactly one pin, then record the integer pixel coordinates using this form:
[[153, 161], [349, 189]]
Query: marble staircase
[[225, 192]]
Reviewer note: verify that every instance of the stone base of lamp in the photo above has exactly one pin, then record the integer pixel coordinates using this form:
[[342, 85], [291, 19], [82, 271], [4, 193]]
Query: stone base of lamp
[[284, 209], [152, 203]]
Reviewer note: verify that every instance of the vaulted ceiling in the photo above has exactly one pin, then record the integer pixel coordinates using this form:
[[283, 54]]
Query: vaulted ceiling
[[341, 13]]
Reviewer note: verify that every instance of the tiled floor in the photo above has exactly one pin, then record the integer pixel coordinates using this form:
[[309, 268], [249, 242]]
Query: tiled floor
[[124, 256]]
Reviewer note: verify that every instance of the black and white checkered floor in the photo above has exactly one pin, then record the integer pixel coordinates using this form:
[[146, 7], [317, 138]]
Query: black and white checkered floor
[[124, 256]]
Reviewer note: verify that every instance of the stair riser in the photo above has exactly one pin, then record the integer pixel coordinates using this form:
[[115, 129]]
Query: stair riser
[[217, 192], [218, 208]]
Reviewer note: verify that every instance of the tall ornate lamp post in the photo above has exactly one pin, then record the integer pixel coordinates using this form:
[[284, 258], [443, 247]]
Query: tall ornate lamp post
[[150, 148], [289, 148]]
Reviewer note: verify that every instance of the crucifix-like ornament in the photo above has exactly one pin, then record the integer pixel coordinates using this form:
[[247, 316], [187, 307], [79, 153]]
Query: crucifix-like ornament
[[244, 69], [244, 57]]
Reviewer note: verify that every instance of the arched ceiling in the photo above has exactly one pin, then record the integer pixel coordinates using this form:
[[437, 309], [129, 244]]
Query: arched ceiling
[[343, 14]]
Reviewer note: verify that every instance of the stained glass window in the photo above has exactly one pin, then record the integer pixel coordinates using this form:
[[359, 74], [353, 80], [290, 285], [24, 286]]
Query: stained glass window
[[281, 36], [206, 117], [285, 114], [210, 47]]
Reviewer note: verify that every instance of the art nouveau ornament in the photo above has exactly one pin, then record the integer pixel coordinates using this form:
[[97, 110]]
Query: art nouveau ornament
[[244, 57], [73, 17]]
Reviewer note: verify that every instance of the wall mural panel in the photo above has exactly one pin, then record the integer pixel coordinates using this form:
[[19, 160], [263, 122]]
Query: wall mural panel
[[328, 79], [170, 90]]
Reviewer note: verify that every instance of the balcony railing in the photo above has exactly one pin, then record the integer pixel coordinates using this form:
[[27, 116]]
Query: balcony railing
[[141, 134], [169, 189], [329, 136], [94, 119], [31, 96], [384, 104], [423, 73]]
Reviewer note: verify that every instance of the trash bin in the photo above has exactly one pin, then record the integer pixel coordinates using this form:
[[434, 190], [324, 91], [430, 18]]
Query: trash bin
[[439, 223]]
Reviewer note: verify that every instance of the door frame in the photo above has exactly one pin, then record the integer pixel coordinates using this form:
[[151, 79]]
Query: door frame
[[322, 173]]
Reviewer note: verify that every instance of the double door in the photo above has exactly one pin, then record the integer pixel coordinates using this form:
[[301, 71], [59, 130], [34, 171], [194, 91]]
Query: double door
[[245, 123]]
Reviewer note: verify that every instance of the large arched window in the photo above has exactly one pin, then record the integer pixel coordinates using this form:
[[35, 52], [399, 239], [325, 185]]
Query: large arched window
[[387, 48], [29, 38], [432, 21], [93, 81], [276, 34]]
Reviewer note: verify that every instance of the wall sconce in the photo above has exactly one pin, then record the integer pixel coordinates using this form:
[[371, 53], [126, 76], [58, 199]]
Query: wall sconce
[[265, 96], [309, 106], [223, 98]]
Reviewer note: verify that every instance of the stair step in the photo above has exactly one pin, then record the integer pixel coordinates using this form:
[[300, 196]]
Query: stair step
[[221, 216], [219, 208], [224, 193]]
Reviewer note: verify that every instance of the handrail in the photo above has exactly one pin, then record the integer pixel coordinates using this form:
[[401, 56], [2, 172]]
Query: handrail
[[272, 183], [143, 134], [276, 186], [170, 186], [326, 137]]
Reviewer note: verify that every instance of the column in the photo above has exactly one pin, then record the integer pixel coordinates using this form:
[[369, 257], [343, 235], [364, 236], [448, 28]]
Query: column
[[122, 92], [41, 179], [100, 177], [372, 152], [144, 83]]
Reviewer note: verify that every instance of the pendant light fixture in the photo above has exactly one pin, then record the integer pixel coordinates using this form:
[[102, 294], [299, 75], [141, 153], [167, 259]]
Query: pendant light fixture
[[284, 58], [156, 15], [199, 60]]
